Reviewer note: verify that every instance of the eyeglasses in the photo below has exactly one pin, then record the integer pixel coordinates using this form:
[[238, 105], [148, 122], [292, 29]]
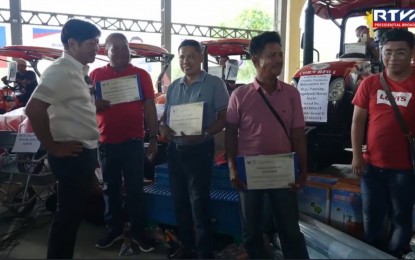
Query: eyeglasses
[[399, 54]]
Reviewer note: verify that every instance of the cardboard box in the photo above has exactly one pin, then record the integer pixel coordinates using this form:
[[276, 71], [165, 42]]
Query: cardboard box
[[322, 178], [314, 200], [346, 209], [351, 181]]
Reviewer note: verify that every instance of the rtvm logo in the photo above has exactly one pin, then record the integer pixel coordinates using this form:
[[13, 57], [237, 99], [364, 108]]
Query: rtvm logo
[[393, 18]]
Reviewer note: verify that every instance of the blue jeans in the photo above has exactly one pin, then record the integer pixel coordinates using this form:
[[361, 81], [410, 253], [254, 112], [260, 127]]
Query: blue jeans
[[284, 208], [190, 169], [386, 191], [123, 161], [75, 177]]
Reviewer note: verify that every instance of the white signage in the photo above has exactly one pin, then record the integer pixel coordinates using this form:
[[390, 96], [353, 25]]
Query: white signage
[[354, 48], [26, 143], [314, 90]]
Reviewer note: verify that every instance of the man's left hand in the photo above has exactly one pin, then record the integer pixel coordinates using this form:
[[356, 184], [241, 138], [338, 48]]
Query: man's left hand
[[299, 184]]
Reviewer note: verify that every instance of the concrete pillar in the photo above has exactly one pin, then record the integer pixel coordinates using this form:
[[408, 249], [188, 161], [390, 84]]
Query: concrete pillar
[[166, 32], [16, 22], [292, 53], [280, 25]]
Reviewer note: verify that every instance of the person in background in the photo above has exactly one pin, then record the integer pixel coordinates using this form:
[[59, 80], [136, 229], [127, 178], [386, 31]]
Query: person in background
[[252, 129], [121, 146], [27, 79], [385, 168], [190, 158], [62, 114], [363, 37]]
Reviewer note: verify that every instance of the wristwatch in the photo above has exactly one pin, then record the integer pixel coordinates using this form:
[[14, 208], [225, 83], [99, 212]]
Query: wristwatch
[[206, 134], [154, 137]]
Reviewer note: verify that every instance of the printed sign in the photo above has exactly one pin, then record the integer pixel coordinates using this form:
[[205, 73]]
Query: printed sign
[[314, 90], [26, 143]]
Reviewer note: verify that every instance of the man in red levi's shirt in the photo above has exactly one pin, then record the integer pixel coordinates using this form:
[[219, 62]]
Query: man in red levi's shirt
[[387, 179], [121, 147]]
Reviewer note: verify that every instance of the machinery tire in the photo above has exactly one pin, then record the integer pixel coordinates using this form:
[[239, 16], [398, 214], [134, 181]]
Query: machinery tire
[[16, 196], [28, 167]]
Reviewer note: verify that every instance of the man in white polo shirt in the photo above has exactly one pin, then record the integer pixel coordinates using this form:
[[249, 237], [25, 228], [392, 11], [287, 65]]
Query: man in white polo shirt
[[62, 114]]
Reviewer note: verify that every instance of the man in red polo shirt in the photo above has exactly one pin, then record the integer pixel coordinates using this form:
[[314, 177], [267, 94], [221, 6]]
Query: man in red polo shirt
[[121, 148], [387, 179], [252, 129]]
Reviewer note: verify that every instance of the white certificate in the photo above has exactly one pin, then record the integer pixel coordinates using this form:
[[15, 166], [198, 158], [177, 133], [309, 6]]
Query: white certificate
[[187, 118], [26, 143], [119, 90], [267, 171]]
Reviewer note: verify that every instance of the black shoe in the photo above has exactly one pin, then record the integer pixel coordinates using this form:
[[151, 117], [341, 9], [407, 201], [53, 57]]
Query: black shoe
[[109, 239], [145, 244]]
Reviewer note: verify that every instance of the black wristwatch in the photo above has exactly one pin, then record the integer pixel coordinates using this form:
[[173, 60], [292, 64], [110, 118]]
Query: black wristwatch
[[156, 137], [206, 134]]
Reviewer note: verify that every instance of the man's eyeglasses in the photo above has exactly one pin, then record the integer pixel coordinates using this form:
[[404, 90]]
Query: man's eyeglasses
[[399, 54]]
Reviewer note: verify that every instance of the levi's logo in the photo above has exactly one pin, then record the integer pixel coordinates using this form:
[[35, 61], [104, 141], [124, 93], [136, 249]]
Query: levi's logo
[[401, 98], [397, 18]]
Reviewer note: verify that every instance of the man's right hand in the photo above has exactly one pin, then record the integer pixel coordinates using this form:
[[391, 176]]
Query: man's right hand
[[235, 181], [102, 104], [64, 149], [358, 165], [166, 132]]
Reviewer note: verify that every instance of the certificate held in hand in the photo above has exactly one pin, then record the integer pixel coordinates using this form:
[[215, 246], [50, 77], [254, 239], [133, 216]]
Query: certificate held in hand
[[119, 90], [187, 118], [267, 171]]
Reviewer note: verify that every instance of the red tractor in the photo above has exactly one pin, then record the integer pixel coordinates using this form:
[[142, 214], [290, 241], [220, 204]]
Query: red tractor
[[327, 88], [9, 95]]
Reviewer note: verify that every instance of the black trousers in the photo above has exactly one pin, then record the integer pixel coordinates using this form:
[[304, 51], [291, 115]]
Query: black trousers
[[75, 178]]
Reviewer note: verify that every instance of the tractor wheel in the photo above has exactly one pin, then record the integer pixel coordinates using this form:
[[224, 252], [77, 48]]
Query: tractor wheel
[[16, 196]]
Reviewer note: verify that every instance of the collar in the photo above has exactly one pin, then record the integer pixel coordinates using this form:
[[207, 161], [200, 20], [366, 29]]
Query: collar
[[201, 78], [112, 69], [79, 66], [257, 85]]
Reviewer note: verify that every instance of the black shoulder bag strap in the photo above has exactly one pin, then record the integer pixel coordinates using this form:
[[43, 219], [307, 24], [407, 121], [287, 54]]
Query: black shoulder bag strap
[[398, 115], [273, 112]]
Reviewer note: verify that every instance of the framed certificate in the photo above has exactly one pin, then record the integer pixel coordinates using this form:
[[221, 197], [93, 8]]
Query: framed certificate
[[186, 118], [267, 171], [119, 90]]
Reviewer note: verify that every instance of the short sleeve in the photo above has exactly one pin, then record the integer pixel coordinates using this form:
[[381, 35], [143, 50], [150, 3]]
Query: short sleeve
[[232, 114], [48, 89], [298, 115], [146, 84], [361, 98], [221, 96]]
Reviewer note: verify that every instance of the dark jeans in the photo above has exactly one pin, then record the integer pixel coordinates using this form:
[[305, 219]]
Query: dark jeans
[[284, 208], [190, 169], [123, 161], [75, 179], [392, 192]]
